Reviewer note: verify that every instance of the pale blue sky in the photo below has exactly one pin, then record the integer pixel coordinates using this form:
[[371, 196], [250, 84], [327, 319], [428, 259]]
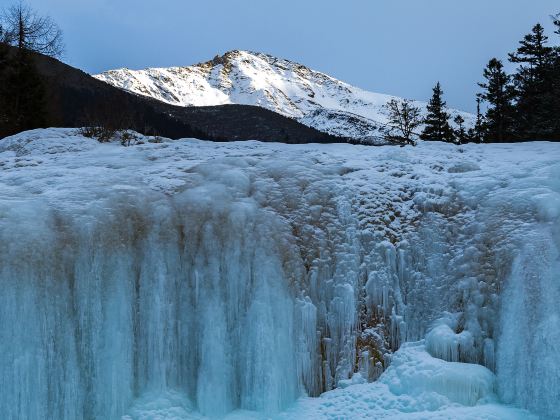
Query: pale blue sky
[[389, 46]]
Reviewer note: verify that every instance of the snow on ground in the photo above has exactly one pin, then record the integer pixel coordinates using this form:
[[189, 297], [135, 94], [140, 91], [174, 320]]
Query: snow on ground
[[311, 198], [62, 155], [416, 386]]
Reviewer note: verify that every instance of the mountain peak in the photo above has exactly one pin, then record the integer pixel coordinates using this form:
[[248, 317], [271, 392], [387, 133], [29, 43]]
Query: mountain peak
[[253, 78]]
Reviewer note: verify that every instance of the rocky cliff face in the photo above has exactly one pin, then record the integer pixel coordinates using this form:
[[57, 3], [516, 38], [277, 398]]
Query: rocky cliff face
[[283, 86]]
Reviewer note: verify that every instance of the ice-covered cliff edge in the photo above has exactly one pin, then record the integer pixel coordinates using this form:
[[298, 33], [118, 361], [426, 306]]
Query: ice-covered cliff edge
[[245, 275]]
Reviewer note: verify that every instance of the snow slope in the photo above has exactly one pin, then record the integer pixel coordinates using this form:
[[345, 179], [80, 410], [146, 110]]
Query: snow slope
[[195, 279], [283, 86]]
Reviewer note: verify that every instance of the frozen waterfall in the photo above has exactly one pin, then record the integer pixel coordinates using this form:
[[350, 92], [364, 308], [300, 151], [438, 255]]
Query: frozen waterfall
[[243, 276], [146, 294], [528, 363]]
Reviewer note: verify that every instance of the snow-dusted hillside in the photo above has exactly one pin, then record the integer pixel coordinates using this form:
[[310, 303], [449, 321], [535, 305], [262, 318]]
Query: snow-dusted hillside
[[188, 280], [288, 88]]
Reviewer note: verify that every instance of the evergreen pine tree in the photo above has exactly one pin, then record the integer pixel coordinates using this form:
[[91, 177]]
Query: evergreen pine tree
[[437, 121], [534, 52], [22, 92], [22, 95], [4, 92], [555, 90], [498, 94], [460, 133], [533, 84], [478, 133], [25, 93]]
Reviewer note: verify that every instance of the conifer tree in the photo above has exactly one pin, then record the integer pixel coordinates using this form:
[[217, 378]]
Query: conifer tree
[[437, 121], [534, 52], [4, 117], [461, 135], [476, 134], [533, 84], [555, 91], [498, 94], [22, 93], [25, 93]]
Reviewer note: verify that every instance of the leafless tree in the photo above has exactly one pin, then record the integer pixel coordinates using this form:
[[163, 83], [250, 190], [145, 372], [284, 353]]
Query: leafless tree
[[24, 28], [404, 118], [6, 37], [556, 21]]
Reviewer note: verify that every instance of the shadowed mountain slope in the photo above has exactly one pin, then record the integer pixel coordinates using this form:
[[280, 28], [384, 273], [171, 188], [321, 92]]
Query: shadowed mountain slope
[[75, 99]]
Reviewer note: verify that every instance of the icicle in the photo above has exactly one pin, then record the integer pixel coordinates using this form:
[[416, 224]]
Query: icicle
[[307, 357]]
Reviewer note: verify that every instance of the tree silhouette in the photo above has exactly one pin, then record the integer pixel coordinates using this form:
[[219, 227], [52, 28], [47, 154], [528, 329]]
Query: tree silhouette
[[404, 118], [437, 120], [498, 93], [27, 30]]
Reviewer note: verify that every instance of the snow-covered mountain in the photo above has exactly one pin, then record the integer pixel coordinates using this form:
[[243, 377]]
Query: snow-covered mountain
[[288, 88]]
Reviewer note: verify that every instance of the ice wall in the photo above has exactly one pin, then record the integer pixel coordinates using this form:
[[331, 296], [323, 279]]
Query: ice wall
[[242, 276], [236, 292], [528, 362], [144, 294]]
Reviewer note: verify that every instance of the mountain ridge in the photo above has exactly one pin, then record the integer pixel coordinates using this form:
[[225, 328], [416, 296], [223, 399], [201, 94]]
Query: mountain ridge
[[286, 87], [76, 99]]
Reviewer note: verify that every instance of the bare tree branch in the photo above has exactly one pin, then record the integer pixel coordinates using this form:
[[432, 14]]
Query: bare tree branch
[[23, 28], [404, 118], [556, 21], [6, 36]]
